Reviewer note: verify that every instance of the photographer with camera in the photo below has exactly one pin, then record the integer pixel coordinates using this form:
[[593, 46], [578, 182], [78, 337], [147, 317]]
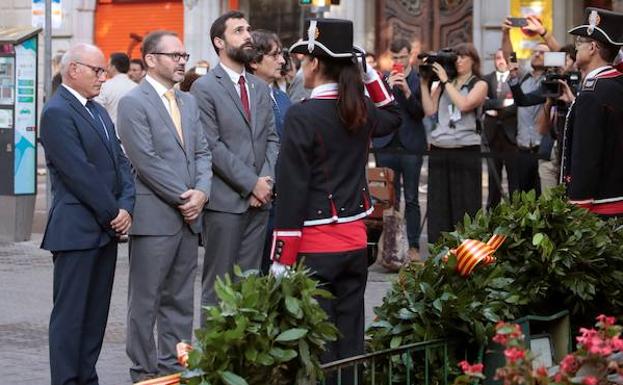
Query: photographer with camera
[[555, 93], [409, 139], [454, 165], [528, 139], [593, 136]]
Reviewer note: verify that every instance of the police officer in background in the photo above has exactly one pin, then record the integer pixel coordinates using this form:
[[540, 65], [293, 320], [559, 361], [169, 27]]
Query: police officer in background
[[593, 137]]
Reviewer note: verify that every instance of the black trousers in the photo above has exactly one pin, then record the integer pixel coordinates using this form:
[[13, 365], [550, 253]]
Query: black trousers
[[454, 187], [81, 292], [528, 167], [499, 143], [344, 275]]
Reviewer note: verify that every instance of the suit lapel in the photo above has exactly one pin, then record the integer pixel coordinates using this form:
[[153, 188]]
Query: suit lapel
[[157, 103], [226, 83], [82, 111]]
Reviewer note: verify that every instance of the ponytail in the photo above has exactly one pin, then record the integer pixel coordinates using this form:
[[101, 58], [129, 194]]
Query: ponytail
[[351, 104]]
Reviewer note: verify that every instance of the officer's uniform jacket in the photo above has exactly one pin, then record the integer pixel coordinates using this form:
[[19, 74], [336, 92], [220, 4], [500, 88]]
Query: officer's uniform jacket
[[592, 163], [317, 189]]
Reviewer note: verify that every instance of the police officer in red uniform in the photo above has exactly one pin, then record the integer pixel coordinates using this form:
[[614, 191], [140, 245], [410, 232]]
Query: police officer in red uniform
[[321, 173], [593, 137]]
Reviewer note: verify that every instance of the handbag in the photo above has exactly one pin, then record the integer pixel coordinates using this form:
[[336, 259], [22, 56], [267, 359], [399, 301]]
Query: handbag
[[393, 245]]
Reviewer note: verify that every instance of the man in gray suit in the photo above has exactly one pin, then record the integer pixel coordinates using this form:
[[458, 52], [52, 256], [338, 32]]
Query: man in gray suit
[[237, 115], [161, 131]]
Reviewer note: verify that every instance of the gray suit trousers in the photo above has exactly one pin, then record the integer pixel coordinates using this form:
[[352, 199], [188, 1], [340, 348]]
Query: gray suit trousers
[[230, 239], [160, 293]]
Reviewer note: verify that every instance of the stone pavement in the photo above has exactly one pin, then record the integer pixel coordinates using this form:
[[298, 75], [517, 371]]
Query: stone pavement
[[26, 302]]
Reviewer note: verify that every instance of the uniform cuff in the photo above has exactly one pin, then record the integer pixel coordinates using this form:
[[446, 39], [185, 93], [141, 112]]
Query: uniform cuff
[[378, 93], [285, 246]]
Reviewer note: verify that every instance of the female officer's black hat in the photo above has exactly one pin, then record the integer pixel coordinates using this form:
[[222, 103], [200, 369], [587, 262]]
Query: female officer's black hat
[[328, 38]]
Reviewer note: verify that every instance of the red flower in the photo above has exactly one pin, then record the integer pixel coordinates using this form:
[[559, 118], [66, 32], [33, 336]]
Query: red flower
[[589, 380], [514, 354], [471, 370]]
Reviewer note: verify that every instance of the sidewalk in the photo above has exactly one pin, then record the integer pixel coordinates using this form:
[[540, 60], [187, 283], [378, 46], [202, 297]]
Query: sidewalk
[[26, 301]]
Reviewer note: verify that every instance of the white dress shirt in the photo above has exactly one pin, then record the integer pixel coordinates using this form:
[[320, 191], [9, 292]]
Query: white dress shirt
[[160, 90], [235, 77]]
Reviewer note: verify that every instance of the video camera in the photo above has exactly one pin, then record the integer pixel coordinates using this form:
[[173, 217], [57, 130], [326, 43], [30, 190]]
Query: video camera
[[554, 62], [445, 57]]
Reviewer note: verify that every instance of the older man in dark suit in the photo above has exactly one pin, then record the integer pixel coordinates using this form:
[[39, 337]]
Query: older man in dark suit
[[93, 198], [238, 119]]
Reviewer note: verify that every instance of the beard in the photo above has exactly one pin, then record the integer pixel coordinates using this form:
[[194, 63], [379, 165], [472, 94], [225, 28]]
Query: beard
[[243, 54]]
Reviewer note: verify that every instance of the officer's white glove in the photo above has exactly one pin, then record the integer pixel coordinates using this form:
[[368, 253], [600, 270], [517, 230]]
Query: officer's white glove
[[279, 270]]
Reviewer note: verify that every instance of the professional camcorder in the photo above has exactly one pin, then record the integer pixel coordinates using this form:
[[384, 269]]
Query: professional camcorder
[[554, 62], [445, 57]]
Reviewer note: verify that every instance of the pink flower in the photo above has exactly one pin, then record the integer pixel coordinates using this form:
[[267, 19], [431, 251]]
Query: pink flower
[[464, 365], [476, 368], [541, 372], [514, 354], [589, 380], [606, 321], [569, 364], [617, 343]]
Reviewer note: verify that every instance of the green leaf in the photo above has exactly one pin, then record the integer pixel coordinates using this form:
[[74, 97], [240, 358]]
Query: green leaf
[[293, 306], [395, 342], [291, 335], [537, 239], [283, 355], [230, 378]]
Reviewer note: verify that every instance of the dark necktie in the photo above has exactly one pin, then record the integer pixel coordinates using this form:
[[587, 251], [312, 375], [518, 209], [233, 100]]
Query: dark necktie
[[96, 117], [244, 98], [276, 109]]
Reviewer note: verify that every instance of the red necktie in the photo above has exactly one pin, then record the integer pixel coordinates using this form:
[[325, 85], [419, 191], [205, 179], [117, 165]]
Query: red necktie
[[244, 97]]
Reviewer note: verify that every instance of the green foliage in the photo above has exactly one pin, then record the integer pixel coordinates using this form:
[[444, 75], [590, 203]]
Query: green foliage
[[557, 256], [266, 330]]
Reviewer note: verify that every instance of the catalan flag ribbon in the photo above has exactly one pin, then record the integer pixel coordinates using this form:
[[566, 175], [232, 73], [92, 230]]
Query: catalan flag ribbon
[[172, 379], [472, 252]]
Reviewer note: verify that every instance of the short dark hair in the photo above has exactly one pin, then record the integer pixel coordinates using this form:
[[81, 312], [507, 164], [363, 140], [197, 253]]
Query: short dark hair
[[218, 27], [120, 61], [189, 78], [263, 41], [139, 62], [151, 42], [398, 44], [607, 52]]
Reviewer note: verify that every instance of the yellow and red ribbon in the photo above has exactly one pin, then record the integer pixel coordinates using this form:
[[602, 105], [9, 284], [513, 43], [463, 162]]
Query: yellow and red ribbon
[[471, 252]]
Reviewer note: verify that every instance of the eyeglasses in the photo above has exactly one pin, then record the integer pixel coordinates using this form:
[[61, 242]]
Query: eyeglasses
[[99, 71], [176, 56]]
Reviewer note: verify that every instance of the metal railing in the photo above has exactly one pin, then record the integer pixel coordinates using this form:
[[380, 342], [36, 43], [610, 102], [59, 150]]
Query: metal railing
[[378, 368]]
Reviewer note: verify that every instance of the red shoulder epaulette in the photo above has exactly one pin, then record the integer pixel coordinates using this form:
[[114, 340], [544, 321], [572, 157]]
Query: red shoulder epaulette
[[612, 73]]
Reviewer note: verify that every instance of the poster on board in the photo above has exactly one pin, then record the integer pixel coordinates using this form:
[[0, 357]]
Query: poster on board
[[25, 117]]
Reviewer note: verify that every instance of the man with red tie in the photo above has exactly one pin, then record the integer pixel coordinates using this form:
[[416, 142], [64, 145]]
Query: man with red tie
[[237, 116]]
